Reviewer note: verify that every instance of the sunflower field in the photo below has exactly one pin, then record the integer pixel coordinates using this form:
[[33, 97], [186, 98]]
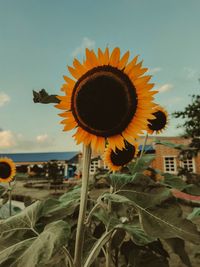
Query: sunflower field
[[109, 101]]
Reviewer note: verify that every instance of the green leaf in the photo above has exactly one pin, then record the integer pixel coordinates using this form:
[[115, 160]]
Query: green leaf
[[2, 190], [174, 181], [171, 145], [106, 218], [178, 246], [5, 211], [139, 237], [142, 256], [167, 221], [193, 189], [14, 228], [118, 179], [94, 252], [146, 197], [38, 250], [141, 164], [195, 214]]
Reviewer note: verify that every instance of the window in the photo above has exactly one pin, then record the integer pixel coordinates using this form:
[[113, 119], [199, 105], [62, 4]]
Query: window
[[188, 164], [93, 166], [170, 164]]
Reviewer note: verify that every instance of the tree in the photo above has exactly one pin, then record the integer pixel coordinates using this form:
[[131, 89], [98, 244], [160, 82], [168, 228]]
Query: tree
[[191, 125], [191, 115]]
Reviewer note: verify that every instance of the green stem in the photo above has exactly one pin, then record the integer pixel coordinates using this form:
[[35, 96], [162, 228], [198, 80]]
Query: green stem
[[108, 246], [143, 147], [10, 199], [83, 207]]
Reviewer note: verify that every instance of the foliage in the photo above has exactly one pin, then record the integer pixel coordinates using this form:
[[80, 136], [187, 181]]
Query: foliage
[[191, 126], [135, 218]]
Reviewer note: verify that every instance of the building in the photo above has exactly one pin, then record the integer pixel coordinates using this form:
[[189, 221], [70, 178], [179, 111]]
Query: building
[[166, 158], [68, 159]]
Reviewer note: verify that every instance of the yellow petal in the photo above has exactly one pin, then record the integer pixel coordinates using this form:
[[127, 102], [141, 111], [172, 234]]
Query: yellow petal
[[106, 56], [124, 60], [114, 58], [74, 72], [100, 57], [142, 81], [131, 65], [69, 81], [79, 67], [116, 141]]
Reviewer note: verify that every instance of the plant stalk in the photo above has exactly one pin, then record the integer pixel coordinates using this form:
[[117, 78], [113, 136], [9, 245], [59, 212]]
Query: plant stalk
[[108, 246], [10, 200], [144, 144], [83, 207]]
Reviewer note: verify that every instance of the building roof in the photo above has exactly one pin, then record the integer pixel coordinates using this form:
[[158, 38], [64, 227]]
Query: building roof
[[146, 148], [41, 157]]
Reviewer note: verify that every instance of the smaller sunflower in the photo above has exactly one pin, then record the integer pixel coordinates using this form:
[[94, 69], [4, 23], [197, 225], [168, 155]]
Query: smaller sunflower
[[7, 170], [160, 122], [115, 160]]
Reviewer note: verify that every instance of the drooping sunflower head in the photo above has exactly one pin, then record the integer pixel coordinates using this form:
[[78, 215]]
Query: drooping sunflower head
[[115, 160], [7, 170], [160, 122], [109, 100]]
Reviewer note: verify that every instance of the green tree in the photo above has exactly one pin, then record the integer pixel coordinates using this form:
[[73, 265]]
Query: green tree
[[191, 125]]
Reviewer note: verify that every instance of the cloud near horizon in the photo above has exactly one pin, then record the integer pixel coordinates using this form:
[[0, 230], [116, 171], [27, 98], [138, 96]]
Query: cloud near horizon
[[85, 43], [4, 99], [13, 142], [155, 70], [165, 88]]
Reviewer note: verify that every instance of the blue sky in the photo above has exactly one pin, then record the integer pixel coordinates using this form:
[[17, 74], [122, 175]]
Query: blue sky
[[40, 37]]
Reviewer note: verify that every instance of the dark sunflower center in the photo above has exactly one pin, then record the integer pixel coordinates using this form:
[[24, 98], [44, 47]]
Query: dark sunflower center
[[123, 157], [159, 122], [5, 170], [104, 101]]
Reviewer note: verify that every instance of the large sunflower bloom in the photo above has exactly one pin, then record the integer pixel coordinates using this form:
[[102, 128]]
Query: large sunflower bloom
[[115, 160], [109, 100], [7, 170], [159, 123]]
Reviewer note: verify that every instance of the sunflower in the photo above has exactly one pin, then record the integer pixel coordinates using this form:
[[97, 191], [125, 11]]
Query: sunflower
[[158, 124], [7, 170], [109, 101], [115, 160]]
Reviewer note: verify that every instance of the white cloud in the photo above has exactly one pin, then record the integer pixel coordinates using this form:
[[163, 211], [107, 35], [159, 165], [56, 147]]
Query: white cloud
[[4, 98], [155, 70], [14, 142], [42, 138], [7, 139], [190, 73], [86, 43], [165, 88]]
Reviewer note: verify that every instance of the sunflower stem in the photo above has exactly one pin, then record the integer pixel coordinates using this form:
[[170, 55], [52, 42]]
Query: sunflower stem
[[10, 199], [83, 207], [108, 246], [144, 144]]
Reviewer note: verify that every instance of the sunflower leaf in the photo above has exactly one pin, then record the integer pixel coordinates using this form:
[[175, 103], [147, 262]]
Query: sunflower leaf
[[2, 190], [174, 181], [194, 214], [166, 221], [37, 250], [141, 164], [178, 246], [171, 145], [139, 237]]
